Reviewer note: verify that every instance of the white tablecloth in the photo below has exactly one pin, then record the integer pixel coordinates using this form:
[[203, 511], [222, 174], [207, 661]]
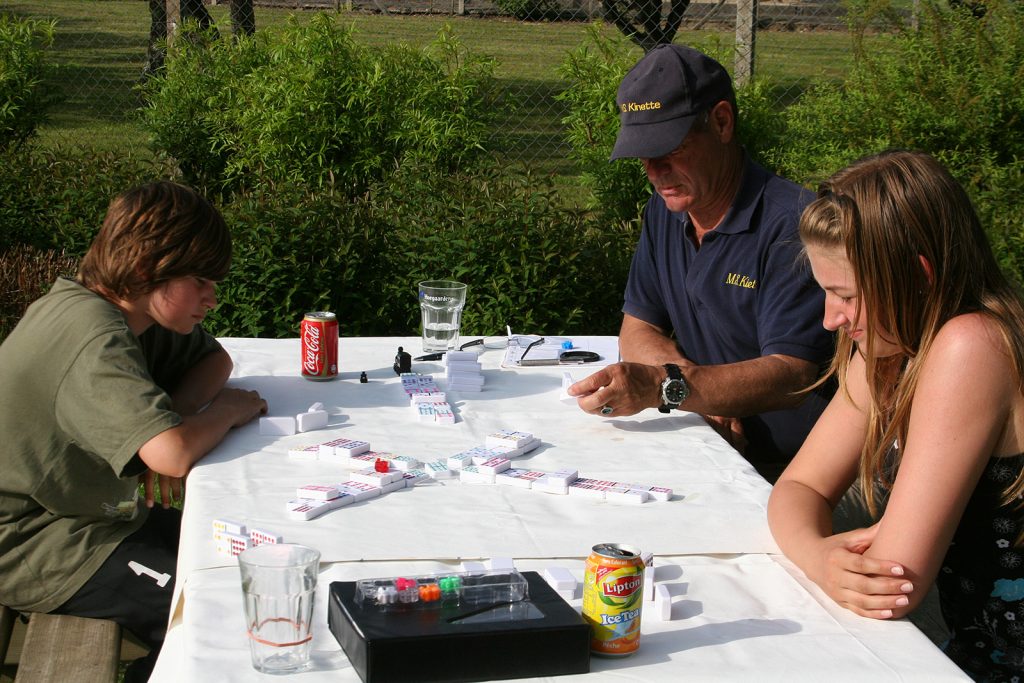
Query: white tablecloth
[[741, 616]]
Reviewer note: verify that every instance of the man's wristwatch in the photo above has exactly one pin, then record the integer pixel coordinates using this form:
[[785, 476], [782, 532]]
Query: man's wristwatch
[[674, 390]]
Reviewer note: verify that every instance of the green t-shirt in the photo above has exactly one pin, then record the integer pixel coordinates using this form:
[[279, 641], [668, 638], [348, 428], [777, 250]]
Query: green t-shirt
[[79, 395]]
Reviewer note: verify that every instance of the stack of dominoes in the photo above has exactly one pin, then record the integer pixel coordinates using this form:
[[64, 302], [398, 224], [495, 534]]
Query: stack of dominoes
[[315, 499], [428, 402], [232, 538], [336, 450], [493, 466], [463, 371]]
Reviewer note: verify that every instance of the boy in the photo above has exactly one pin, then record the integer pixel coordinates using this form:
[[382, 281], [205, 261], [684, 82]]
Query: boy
[[104, 383]]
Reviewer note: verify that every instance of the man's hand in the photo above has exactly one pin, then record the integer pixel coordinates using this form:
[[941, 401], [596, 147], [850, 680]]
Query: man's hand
[[866, 586], [620, 389], [172, 489]]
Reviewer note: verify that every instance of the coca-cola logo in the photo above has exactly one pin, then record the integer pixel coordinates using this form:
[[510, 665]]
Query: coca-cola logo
[[311, 350]]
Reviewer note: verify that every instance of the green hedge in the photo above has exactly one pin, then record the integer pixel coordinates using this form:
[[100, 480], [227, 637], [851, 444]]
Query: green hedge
[[529, 263], [310, 105], [23, 68]]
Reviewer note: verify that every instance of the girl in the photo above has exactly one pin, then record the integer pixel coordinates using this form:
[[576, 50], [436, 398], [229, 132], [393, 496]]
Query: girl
[[929, 414]]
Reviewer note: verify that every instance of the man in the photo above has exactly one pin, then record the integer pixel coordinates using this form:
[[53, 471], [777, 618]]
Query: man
[[721, 316]]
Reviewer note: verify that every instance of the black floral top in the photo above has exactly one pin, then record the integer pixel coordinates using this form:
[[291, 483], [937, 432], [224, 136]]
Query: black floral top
[[981, 582]]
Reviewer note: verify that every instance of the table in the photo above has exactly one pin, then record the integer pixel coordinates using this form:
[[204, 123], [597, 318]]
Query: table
[[740, 610]]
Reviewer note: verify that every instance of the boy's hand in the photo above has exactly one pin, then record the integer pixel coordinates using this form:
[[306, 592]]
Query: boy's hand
[[244, 405], [171, 488]]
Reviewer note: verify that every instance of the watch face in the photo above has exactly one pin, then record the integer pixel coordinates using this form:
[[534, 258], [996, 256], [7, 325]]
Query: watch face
[[674, 391]]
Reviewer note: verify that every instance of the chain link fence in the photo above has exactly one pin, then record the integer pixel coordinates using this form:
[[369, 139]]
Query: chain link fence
[[104, 48]]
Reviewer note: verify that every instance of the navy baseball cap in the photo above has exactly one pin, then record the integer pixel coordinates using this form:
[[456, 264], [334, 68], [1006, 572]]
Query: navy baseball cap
[[661, 97]]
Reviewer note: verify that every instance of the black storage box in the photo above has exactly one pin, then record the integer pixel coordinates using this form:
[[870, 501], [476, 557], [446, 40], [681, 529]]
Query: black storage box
[[540, 636]]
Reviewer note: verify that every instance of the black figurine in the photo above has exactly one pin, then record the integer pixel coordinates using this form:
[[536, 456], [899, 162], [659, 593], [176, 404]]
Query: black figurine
[[363, 379], [403, 362]]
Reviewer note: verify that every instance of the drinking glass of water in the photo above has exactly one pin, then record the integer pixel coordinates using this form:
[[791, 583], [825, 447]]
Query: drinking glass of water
[[441, 303]]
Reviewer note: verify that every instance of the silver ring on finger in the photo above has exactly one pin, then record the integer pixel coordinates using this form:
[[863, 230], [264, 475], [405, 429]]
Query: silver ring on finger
[[607, 410]]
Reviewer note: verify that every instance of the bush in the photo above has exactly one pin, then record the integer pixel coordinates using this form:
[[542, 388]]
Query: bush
[[594, 70], [527, 10], [529, 263], [56, 199], [950, 88], [308, 105], [23, 69], [293, 252]]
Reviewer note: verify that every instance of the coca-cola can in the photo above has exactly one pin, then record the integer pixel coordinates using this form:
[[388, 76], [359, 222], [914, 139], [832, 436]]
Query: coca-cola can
[[319, 334]]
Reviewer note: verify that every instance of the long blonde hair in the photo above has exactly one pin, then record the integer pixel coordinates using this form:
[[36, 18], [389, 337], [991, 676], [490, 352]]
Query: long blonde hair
[[887, 211]]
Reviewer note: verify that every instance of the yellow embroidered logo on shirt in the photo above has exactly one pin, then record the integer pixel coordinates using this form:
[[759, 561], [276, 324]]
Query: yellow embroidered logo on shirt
[[737, 280]]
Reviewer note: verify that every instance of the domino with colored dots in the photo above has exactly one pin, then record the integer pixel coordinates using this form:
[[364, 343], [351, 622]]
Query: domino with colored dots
[[374, 478], [317, 492], [494, 465], [306, 509], [263, 537], [660, 493], [586, 488], [413, 477], [224, 526], [438, 469], [510, 452], [459, 460], [443, 414], [404, 463], [360, 491], [620, 494], [425, 411], [427, 397], [472, 474], [351, 447], [508, 438], [518, 477], [557, 481], [304, 453], [233, 544]]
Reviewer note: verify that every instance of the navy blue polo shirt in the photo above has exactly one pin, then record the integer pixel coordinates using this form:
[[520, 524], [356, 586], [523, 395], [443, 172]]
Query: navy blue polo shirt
[[745, 293]]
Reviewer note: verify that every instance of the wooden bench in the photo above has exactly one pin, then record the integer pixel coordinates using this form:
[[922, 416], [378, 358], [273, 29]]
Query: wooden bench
[[59, 648]]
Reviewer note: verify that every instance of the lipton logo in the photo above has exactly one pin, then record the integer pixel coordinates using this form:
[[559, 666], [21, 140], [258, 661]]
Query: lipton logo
[[621, 587], [629, 107]]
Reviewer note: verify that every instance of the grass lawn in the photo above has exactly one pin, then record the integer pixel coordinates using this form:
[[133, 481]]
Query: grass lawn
[[100, 49]]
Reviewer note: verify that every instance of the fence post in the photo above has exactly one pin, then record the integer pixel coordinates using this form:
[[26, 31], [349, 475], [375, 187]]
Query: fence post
[[173, 18], [746, 32]]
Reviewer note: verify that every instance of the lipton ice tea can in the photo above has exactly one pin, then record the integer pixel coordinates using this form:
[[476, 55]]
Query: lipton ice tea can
[[319, 334], [613, 590]]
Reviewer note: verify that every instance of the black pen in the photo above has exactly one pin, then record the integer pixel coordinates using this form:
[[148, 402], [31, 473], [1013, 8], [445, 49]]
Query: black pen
[[430, 356]]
